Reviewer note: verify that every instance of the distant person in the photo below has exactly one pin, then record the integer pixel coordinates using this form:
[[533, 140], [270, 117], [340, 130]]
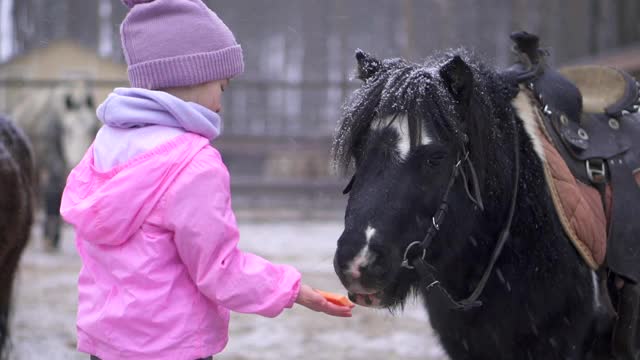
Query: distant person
[[54, 171], [150, 201], [51, 189]]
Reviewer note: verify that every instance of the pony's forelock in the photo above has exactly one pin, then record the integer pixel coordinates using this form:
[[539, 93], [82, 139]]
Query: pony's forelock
[[399, 87]]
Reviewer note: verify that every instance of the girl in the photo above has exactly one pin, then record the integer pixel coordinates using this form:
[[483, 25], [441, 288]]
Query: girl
[[150, 201]]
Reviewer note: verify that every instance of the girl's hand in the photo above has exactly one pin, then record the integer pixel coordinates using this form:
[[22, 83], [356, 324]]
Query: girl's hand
[[311, 299]]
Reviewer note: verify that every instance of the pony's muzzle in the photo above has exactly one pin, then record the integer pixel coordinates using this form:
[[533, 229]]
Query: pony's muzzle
[[361, 270]]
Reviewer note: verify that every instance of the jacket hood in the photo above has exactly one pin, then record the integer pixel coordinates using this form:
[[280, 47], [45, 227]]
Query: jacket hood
[[107, 208]]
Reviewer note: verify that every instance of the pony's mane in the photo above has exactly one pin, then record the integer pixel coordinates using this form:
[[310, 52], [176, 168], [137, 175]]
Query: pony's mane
[[401, 87]]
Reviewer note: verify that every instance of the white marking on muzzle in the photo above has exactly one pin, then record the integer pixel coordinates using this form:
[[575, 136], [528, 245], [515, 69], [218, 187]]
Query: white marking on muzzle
[[401, 126], [364, 257], [369, 233]]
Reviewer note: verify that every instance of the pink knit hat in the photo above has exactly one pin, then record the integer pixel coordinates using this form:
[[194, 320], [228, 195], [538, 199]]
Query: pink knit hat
[[171, 43]]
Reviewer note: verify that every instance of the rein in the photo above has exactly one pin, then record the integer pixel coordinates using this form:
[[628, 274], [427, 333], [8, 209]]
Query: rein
[[424, 270]]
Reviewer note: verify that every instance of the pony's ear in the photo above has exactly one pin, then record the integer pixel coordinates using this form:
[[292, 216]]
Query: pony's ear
[[367, 65], [458, 78]]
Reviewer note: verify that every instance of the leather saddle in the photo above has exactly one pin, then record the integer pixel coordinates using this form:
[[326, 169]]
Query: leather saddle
[[590, 114]]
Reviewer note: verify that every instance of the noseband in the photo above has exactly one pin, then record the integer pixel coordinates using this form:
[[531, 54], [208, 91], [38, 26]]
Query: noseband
[[415, 253]]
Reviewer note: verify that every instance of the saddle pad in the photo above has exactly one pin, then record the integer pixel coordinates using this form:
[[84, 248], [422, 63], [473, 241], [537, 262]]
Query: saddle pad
[[578, 205], [600, 86]]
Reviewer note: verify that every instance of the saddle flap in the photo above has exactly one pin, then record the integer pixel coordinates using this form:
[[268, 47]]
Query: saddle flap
[[578, 206], [607, 141], [604, 90]]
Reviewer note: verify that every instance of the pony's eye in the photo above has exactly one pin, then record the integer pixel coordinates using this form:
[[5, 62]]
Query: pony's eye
[[436, 158], [430, 158], [429, 165]]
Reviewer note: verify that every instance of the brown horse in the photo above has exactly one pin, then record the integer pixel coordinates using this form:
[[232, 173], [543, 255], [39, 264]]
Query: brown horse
[[16, 213]]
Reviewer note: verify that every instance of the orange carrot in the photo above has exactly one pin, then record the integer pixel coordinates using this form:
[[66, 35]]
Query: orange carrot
[[336, 298]]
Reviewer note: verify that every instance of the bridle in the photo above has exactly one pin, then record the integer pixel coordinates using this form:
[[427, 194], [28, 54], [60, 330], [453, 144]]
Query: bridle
[[415, 253]]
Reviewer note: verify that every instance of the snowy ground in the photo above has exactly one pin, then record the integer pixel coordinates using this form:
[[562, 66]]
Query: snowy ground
[[44, 315]]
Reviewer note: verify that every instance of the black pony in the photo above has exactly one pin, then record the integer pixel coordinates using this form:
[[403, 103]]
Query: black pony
[[453, 128], [16, 213]]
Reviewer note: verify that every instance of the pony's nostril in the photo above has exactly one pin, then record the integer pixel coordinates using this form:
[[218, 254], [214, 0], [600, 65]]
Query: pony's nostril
[[360, 263], [371, 264], [352, 272]]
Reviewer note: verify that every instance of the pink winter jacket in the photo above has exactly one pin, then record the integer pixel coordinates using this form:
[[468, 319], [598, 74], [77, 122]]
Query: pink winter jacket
[[160, 265]]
